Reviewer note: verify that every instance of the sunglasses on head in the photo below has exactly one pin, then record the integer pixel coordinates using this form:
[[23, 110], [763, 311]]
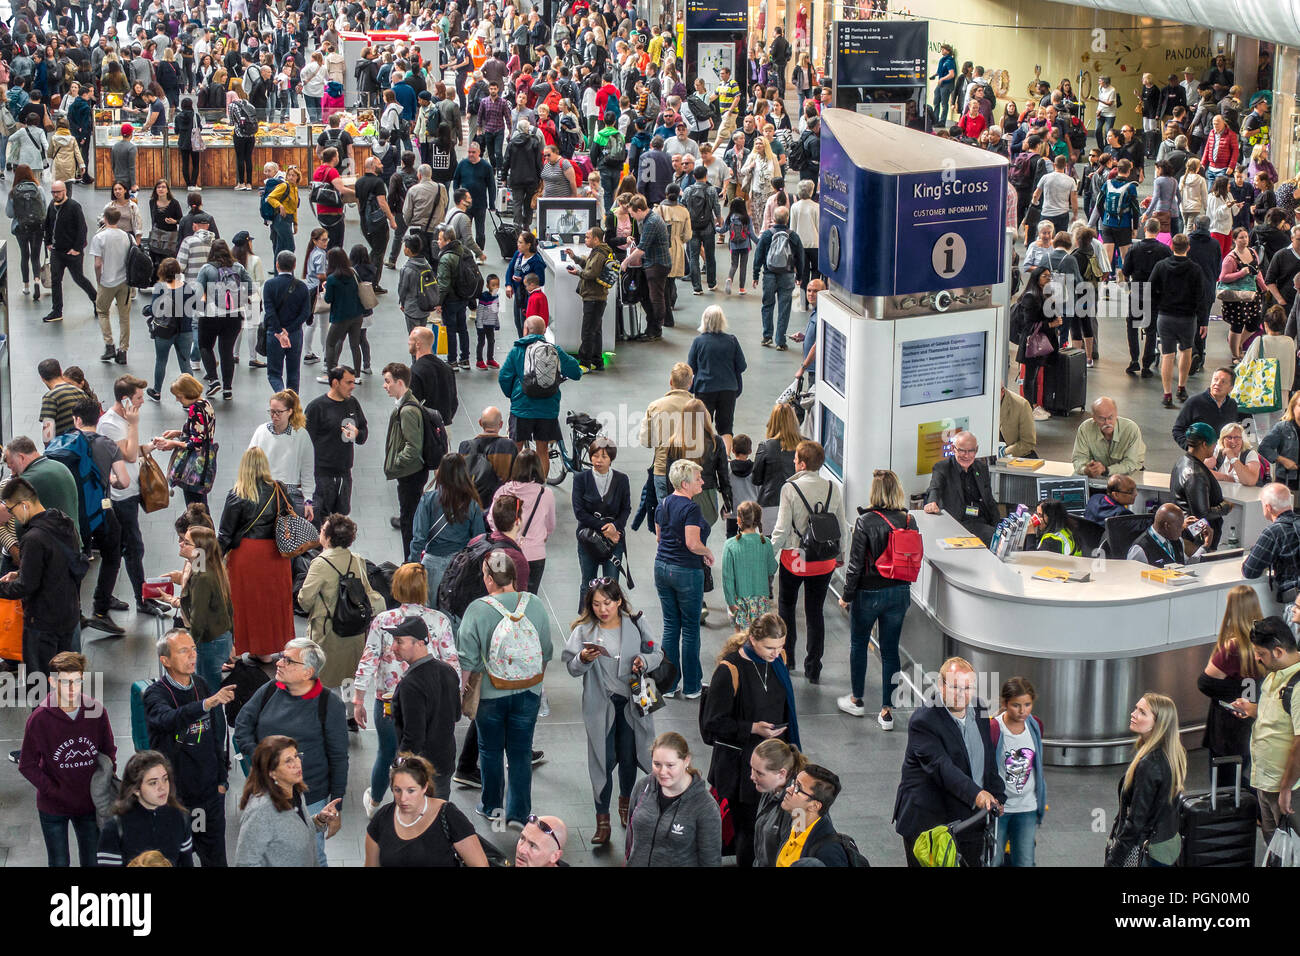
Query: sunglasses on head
[[545, 827]]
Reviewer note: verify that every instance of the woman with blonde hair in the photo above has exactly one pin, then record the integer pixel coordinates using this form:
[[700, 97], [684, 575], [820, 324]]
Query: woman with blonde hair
[[1194, 190], [1233, 459], [674, 820], [1231, 669], [680, 561], [774, 460], [1146, 827], [65, 155], [751, 699], [288, 448], [756, 175], [695, 439], [261, 582]]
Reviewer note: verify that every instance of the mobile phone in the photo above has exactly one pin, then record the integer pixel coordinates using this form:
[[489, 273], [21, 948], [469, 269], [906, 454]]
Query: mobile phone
[[781, 729], [1233, 707]]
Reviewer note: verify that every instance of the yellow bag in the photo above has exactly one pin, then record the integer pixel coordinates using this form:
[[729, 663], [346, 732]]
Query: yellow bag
[[441, 347]]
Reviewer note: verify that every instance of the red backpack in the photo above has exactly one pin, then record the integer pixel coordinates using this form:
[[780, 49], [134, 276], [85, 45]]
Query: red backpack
[[901, 560]]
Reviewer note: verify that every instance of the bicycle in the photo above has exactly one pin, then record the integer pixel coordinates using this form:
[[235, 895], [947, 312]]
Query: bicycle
[[584, 429]]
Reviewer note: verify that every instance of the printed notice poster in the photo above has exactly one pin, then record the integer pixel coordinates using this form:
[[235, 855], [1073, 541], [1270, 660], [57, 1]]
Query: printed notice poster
[[934, 441], [834, 357], [833, 442], [942, 369], [712, 58]]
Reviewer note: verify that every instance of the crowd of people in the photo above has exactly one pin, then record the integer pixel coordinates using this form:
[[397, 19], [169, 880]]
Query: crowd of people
[[595, 104]]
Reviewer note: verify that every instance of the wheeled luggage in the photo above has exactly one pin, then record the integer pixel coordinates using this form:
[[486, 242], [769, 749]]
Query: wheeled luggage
[[1217, 831], [506, 235], [1065, 381]]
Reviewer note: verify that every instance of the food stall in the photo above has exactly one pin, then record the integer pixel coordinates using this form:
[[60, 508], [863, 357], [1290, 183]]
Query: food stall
[[157, 156]]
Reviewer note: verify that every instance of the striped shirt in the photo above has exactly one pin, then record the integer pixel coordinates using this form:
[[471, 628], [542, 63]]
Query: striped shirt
[[554, 181], [193, 253], [58, 403]]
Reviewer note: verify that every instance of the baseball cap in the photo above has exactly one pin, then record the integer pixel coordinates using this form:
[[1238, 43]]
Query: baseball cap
[[413, 627], [1204, 431], [127, 129]]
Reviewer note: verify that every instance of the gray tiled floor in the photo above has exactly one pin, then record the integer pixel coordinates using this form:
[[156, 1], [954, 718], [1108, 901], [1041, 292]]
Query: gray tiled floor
[[867, 759]]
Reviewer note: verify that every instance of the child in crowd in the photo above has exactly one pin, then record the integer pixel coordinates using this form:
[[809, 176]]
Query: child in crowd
[[748, 564], [740, 239], [742, 484], [487, 319], [1018, 748], [409, 280], [360, 259], [536, 303], [313, 273]]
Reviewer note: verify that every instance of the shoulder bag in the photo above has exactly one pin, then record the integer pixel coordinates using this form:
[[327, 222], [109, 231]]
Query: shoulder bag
[[294, 534], [155, 495]]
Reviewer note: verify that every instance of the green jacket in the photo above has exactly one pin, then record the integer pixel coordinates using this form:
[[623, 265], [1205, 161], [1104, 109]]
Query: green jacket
[[404, 446], [589, 270], [448, 263]]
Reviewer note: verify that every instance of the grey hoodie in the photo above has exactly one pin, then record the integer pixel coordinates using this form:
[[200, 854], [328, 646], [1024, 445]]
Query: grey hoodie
[[688, 834]]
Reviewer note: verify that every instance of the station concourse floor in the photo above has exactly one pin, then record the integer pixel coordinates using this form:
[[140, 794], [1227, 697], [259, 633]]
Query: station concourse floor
[[867, 759]]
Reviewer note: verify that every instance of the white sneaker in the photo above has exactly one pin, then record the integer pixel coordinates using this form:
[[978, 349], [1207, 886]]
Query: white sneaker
[[367, 804], [846, 704], [886, 721], [1041, 414], [323, 379], [692, 696]]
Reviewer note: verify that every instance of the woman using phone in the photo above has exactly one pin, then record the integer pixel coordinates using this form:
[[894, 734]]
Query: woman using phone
[[751, 699], [1231, 668], [1146, 828], [610, 647]]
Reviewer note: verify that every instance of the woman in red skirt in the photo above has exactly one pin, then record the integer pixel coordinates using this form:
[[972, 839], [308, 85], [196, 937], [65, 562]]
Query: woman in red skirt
[[261, 582]]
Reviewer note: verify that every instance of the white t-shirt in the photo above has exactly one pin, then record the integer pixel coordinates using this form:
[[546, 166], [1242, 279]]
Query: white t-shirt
[[111, 245], [113, 426], [1056, 189], [1017, 769], [1106, 101]]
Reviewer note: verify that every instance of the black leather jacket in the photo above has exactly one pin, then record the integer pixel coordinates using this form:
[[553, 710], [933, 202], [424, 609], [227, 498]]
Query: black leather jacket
[[1146, 814], [247, 519], [870, 538], [1196, 489]]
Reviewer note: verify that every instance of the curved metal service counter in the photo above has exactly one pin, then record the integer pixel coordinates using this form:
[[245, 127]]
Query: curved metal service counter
[[1091, 649]]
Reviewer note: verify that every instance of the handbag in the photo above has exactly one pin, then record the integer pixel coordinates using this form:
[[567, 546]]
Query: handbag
[[320, 306], [1037, 344], [155, 495], [46, 279], [597, 545], [1257, 388], [366, 292], [196, 140], [1239, 290], [294, 534], [473, 690], [194, 468], [165, 242]]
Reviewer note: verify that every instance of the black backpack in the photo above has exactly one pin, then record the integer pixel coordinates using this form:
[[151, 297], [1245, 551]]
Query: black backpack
[[699, 205], [466, 280], [851, 851], [352, 612], [462, 582], [434, 446], [482, 474], [139, 268], [820, 540], [796, 156]]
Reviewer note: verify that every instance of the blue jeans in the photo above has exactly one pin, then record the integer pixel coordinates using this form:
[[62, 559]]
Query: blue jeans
[[211, 655], [663, 487], [1020, 829], [453, 318], [1104, 125], [386, 731], [778, 289], [887, 606], [183, 343], [942, 96], [505, 731], [588, 566], [312, 810], [281, 235], [435, 566], [681, 595], [284, 366], [54, 827]]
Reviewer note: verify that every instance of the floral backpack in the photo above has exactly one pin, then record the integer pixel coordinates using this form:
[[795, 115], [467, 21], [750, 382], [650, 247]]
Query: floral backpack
[[514, 658]]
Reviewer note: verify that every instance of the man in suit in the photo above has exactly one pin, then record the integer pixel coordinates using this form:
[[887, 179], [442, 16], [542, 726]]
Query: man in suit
[[950, 768], [960, 486]]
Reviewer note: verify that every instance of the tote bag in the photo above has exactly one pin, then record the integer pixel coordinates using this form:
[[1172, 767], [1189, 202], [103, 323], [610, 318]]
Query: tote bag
[[1257, 388]]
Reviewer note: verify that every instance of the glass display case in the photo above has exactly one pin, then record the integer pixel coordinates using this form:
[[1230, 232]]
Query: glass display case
[[215, 135]]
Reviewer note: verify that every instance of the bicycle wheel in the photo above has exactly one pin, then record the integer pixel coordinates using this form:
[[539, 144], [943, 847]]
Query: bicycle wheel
[[559, 468]]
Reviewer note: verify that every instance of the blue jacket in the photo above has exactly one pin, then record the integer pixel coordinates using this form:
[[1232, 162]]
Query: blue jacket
[[286, 302], [534, 264], [81, 117], [947, 64], [718, 362], [511, 379], [1036, 732], [452, 538], [405, 94]]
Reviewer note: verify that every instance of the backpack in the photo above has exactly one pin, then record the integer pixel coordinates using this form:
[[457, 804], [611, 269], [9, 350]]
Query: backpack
[[780, 257], [901, 559], [851, 851], [700, 207], [466, 280], [736, 231], [373, 216], [434, 445], [72, 449], [568, 140], [482, 474], [268, 213], [609, 273], [245, 118], [352, 612], [708, 738], [29, 208], [427, 296], [541, 370], [820, 540], [334, 88], [699, 109], [140, 273], [1115, 205], [615, 154], [8, 125], [796, 156], [1286, 691], [1022, 168], [514, 657], [227, 302], [462, 582]]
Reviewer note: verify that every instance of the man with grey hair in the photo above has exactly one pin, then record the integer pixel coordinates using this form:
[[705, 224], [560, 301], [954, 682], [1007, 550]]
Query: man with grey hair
[[187, 724], [425, 207], [522, 168], [297, 705], [1277, 549], [1107, 444], [780, 258]]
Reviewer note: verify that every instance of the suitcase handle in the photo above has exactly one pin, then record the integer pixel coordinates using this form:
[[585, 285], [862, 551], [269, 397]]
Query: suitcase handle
[[1215, 763]]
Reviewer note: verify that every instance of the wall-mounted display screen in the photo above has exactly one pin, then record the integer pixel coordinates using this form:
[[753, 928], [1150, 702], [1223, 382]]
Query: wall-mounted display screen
[[834, 357], [833, 442], [942, 369]]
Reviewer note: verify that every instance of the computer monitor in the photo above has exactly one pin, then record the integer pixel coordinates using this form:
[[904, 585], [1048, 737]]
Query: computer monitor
[[1072, 492]]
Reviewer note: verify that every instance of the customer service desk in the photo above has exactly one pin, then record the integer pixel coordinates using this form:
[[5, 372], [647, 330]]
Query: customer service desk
[[566, 307], [1091, 649], [1241, 526]]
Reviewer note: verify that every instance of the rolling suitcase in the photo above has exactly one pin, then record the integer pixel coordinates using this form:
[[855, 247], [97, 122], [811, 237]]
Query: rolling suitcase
[[139, 721], [1065, 382], [506, 235], [1217, 832]]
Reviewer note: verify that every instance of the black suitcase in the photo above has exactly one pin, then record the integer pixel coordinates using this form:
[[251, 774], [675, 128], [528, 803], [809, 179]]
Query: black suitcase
[[1217, 832], [506, 235], [1065, 382]]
